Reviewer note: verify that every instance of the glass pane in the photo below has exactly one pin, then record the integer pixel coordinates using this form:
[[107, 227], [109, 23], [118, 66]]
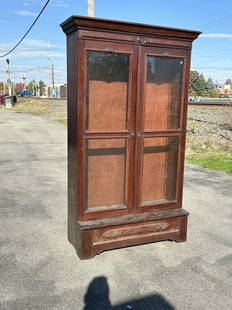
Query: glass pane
[[159, 170], [163, 93], [108, 77], [105, 172]]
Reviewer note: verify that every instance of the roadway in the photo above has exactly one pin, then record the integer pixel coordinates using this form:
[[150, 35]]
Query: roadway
[[40, 269]]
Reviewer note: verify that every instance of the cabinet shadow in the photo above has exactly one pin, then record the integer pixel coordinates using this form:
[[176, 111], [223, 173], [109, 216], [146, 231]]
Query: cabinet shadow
[[97, 298]]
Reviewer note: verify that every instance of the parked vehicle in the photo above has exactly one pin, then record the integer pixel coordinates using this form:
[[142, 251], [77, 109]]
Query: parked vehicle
[[24, 93]]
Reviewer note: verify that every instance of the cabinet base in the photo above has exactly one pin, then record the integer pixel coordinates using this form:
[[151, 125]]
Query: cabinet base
[[93, 237]]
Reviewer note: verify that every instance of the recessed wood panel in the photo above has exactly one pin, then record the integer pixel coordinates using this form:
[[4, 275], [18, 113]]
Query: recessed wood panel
[[105, 172], [160, 161]]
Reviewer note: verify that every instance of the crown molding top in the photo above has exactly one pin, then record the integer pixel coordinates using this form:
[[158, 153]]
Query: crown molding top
[[76, 21]]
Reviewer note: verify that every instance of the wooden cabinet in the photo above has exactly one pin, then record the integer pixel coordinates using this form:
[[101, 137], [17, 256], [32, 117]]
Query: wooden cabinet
[[127, 106]]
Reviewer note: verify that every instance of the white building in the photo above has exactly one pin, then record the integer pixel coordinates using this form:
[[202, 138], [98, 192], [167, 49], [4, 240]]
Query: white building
[[56, 91]]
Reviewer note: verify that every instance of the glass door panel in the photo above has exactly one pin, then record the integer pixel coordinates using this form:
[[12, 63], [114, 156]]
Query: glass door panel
[[163, 91], [105, 173], [160, 159], [107, 91], [107, 127]]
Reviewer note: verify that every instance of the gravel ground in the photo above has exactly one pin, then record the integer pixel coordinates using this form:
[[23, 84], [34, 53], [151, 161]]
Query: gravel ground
[[50, 108], [210, 126]]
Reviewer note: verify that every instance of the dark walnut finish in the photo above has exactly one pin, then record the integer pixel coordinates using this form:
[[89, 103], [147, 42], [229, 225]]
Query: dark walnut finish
[[127, 107]]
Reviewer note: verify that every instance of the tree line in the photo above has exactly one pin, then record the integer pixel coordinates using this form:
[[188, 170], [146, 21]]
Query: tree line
[[36, 87], [199, 86], [33, 86]]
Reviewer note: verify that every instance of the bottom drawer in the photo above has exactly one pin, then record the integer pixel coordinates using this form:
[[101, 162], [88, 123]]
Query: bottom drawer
[[94, 237], [135, 231]]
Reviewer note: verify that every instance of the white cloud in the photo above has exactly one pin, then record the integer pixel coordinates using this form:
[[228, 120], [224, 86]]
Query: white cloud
[[33, 48], [32, 2], [30, 54], [25, 13], [60, 3], [57, 3], [216, 35], [35, 43], [36, 54]]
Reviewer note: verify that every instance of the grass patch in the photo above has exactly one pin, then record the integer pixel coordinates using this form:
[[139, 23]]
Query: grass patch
[[63, 121], [218, 161]]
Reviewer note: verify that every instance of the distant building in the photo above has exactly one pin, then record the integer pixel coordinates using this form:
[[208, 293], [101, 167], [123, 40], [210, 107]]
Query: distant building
[[63, 91], [227, 87], [225, 90], [19, 86], [58, 91]]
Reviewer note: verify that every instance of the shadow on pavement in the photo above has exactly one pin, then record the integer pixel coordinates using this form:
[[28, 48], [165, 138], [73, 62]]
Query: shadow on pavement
[[97, 298]]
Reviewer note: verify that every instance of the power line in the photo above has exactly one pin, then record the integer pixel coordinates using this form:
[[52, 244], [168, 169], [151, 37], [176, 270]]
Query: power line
[[27, 31]]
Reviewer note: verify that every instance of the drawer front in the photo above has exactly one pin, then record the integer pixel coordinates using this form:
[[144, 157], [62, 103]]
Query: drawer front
[[135, 231], [133, 38], [165, 41], [102, 35]]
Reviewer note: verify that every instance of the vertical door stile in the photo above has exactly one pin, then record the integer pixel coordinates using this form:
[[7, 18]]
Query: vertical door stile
[[81, 85], [138, 129], [132, 129]]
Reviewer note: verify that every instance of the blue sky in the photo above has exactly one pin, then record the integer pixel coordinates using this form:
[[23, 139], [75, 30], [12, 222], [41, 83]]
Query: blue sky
[[212, 52]]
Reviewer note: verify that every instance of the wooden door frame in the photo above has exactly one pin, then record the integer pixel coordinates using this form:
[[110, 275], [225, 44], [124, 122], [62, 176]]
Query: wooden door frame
[[143, 52], [83, 134]]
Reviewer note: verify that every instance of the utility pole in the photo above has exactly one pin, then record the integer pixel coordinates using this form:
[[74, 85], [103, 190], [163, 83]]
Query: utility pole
[[24, 83], [8, 77], [21, 78], [53, 82], [38, 87], [49, 73], [91, 11]]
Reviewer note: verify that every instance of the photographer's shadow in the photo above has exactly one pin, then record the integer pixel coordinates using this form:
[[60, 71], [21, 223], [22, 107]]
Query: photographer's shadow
[[97, 298]]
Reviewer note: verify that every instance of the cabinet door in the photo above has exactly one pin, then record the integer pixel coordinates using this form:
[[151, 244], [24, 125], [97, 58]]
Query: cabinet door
[[107, 83], [160, 130]]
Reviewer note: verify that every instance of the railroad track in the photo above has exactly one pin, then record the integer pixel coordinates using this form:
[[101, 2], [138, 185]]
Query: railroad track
[[213, 102], [47, 99]]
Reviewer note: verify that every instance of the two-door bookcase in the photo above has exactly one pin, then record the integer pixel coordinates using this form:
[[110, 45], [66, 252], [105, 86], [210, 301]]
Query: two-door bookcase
[[127, 107]]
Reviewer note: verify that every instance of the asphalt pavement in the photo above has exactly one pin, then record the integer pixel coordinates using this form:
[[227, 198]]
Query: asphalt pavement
[[39, 269]]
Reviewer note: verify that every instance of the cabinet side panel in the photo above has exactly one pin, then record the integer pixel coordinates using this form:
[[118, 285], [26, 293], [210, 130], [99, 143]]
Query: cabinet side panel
[[72, 134]]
